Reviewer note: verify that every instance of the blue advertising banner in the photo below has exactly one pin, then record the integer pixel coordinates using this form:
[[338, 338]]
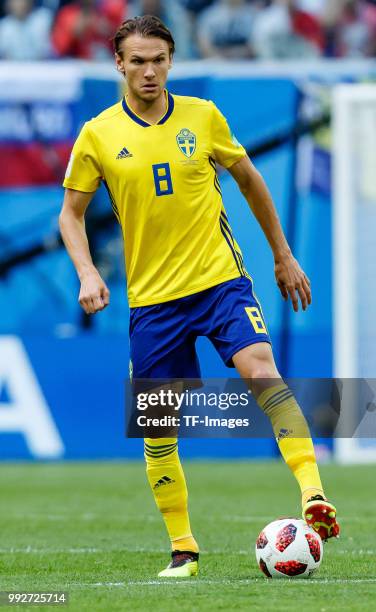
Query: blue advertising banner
[[64, 399]]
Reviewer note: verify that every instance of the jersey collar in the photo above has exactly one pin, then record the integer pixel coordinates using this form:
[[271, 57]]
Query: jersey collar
[[170, 107]]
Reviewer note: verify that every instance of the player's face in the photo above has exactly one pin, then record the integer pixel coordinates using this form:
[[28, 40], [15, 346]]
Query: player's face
[[145, 63]]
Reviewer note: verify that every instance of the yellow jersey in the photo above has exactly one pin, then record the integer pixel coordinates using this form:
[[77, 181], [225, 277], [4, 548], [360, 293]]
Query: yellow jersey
[[165, 193]]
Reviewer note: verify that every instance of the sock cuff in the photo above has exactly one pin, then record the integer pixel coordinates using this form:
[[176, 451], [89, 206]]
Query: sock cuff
[[159, 441], [158, 451], [273, 396]]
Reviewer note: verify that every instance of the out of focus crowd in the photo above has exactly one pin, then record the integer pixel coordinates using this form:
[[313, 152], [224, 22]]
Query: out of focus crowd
[[230, 29]]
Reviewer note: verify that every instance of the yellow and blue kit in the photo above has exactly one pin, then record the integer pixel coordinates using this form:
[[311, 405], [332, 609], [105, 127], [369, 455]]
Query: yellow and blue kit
[[165, 193]]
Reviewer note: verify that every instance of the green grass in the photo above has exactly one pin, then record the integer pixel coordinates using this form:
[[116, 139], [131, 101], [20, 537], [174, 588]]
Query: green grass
[[93, 530]]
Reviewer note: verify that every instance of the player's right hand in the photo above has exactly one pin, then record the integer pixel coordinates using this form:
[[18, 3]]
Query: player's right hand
[[94, 294]]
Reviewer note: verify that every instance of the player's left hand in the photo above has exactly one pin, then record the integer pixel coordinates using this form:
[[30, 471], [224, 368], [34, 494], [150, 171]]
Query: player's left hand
[[292, 282]]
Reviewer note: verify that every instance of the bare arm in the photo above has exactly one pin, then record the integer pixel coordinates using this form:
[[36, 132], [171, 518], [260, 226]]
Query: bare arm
[[289, 275], [94, 295]]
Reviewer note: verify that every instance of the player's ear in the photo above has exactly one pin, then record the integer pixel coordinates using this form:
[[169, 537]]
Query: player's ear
[[119, 63]]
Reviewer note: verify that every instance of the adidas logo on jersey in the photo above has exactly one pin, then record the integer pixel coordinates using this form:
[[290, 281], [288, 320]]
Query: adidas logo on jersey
[[165, 480], [124, 153]]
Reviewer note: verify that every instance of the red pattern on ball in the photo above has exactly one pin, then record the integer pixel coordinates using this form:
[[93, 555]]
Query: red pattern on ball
[[264, 568], [291, 568], [285, 536], [261, 541], [314, 546]]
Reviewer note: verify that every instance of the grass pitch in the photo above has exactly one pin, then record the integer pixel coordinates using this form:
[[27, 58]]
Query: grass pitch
[[93, 530]]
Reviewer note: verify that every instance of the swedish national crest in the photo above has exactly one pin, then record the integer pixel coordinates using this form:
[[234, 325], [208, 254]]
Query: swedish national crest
[[186, 142]]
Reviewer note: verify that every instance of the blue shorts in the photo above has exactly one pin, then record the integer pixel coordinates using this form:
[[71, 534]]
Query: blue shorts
[[163, 336]]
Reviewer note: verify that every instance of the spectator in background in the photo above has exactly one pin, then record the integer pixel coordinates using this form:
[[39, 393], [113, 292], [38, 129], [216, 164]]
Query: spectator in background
[[84, 29], [316, 8], [25, 31], [176, 18], [52, 5], [196, 6], [307, 24], [370, 17], [355, 28], [225, 30], [283, 31]]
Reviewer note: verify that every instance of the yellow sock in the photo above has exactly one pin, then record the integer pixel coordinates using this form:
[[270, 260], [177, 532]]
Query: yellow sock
[[166, 478], [293, 437]]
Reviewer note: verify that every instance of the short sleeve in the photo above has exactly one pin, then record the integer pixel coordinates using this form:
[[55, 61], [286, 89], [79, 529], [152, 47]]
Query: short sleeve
[[84, 171], [226, 150]]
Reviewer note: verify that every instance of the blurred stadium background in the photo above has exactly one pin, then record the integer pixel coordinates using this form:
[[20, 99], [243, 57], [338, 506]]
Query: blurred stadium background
[[274, 68]]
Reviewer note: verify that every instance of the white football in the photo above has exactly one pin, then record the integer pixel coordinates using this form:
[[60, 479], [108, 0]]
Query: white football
[[288, 548]]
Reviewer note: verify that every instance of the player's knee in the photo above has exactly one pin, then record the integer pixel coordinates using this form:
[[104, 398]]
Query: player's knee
[[261, 375], [263, 370], [256, 362]]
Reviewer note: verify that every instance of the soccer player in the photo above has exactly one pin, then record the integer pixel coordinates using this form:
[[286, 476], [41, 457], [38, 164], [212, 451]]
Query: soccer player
[[157, 155]]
